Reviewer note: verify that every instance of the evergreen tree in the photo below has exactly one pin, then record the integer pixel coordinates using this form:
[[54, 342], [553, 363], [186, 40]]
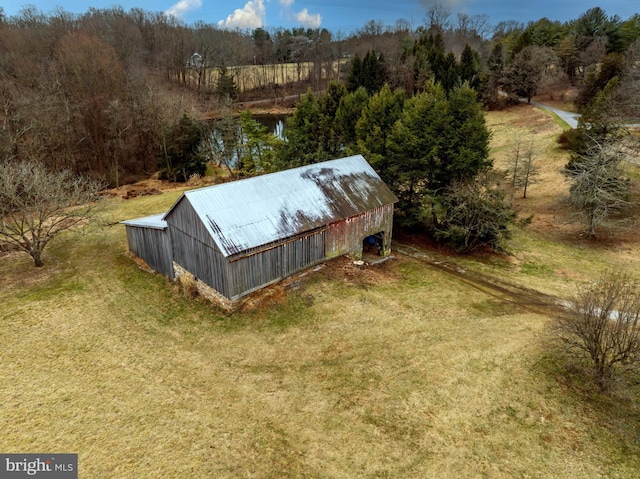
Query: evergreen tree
[[601, 122], [415, 150], [226, 85], [468, 148], [436, 55], [305, 135], [349, 112], [375, 124], [430, 61], [613, 65], [469, 67], [450, 76], [437, 141], [258, 151], [528, 70], [372, 75], [355, 74], [328, 105], [369, 73], [181, 156], [492, 83], [568, 53]]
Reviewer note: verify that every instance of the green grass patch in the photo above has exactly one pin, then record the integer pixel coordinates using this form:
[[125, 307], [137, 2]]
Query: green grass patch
[[535, 268]]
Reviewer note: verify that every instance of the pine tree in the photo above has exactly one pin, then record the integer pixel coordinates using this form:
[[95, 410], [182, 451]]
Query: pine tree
[[258, 151], [375, 124], [436, 142], [468, 137], [355, 74], [415, 150], [306, 135], [226, 85], [349, 112], [181, 156], [469, 67]]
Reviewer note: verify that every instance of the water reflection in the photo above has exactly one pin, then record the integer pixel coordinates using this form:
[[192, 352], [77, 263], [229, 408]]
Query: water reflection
[[275, 123], [225, 147]]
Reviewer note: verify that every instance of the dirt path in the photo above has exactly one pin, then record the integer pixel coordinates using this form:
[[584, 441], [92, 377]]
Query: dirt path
[[526, 298]]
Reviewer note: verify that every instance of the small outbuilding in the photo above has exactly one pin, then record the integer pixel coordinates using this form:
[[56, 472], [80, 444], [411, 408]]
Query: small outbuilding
[[237, 237]]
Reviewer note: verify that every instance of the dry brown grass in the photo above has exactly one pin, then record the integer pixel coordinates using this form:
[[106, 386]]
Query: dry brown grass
[[251, 77], [398, 370], [189, 285]]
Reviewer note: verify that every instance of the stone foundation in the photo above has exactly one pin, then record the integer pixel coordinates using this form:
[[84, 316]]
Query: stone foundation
[[207, 291]]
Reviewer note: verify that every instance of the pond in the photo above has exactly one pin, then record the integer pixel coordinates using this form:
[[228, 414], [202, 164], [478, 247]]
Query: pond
[[275, 123], [228, 154]]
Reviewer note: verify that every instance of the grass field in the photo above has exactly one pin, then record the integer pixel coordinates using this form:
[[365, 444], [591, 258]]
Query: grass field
[[400, 370], [252, 77]]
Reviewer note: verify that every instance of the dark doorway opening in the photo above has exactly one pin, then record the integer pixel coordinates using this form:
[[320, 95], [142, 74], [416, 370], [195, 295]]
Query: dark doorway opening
[[373, 244]]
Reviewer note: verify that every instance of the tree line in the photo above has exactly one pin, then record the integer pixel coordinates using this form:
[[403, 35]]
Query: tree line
[[98, 92]]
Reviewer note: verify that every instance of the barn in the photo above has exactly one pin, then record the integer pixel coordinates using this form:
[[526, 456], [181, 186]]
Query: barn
[[237, 237]]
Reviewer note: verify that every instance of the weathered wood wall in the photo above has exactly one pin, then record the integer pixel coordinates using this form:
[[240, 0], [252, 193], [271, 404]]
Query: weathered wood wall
[[263, 266], [153, 245], [345, 237], [203, 261]]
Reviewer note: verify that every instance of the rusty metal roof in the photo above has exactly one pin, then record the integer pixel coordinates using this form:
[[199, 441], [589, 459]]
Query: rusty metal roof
[[248, 213]]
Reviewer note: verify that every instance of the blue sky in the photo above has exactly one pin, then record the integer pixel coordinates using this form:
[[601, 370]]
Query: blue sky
[[337, 16]]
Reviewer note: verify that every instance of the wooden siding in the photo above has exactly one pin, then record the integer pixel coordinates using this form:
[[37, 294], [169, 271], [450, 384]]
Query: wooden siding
[[183, 217], [253, 271], [346, 236], [203, 261], [153, 245]]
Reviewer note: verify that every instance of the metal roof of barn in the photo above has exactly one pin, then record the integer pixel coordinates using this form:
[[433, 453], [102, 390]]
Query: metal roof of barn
[[153, 221], [249, 213]]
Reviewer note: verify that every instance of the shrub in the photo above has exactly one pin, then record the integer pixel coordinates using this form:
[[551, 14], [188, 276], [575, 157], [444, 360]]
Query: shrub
[[603, 327]]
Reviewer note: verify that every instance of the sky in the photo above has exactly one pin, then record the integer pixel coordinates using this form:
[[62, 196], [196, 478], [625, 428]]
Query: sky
[[337, 16]]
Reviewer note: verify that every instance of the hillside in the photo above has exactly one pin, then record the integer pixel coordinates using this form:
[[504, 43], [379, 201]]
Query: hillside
[[418, 367]]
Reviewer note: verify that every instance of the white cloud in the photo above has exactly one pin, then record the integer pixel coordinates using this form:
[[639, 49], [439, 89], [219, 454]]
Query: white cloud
[[309, 20], [250, 16], [179, 9], [287, 3]]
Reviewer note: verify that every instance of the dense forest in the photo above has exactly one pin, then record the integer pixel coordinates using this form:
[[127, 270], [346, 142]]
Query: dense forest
[[98, 92], [107, 92]]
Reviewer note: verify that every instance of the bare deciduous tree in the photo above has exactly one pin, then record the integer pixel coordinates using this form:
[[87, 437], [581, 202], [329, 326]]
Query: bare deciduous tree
[[604, 326], [36, 205], [437, 16], [598, 189], [523, 167]]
